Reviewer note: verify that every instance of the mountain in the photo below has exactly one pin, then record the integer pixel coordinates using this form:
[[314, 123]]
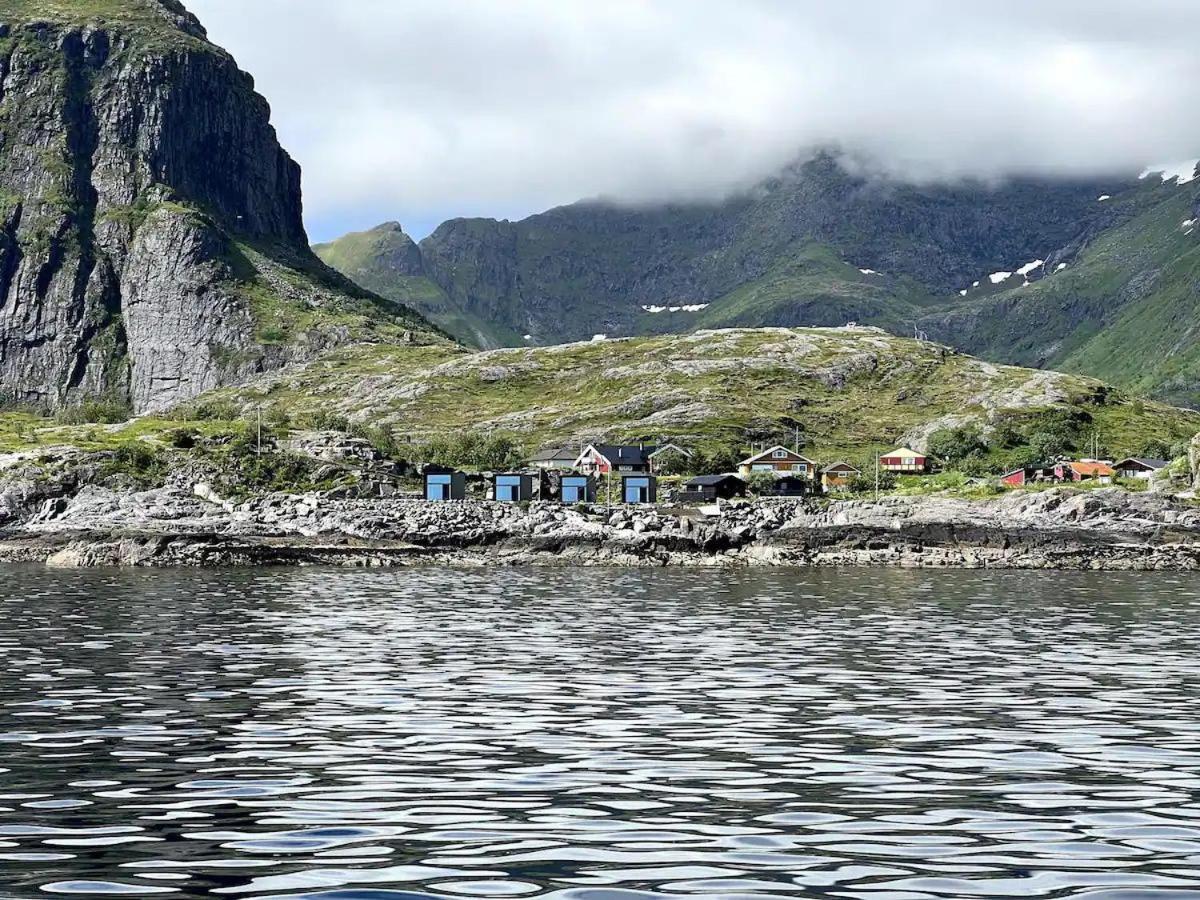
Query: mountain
[[841, 391], [151, 239], [1120, 303], [823, 245]]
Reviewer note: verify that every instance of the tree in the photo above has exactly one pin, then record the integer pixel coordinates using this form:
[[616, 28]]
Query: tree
[[1047, 446], [954, 445]]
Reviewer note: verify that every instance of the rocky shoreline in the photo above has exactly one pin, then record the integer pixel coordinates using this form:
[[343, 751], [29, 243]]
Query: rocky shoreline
[[180, 525]]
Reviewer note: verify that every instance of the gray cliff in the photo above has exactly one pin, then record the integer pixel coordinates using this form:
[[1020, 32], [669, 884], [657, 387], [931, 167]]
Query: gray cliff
[[147, 215]]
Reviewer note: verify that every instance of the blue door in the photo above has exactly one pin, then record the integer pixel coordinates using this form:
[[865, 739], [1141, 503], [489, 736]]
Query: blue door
[[437, 487], [572, 492], [637, 490], [508, 488]]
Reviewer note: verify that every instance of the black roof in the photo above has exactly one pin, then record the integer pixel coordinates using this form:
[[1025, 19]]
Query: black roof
[[1147, 462], [626, 454], [710, 480]]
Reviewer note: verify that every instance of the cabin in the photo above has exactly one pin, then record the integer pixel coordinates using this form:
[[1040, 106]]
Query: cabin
[[603, 459], [663, 453], [709, 488], [904, 461], [638, 489], [1084, 470], [515, 487], [779, 460], [443, 483], [577, 489], [1023, 476], [561, 458], [791, 486], [1139, 467], [839, 476]]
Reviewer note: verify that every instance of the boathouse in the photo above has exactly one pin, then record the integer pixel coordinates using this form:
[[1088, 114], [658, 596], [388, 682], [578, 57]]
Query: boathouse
[[443, 483]]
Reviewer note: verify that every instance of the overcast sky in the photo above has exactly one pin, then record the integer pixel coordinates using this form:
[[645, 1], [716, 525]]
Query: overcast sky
[[420, 110]]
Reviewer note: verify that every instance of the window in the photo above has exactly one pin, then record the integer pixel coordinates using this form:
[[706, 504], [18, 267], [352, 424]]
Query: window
[[760, 467], [780, 454], [909, 461], [800, 467]]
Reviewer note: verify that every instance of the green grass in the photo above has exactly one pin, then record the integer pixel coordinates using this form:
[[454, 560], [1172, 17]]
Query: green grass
[[143, 20]]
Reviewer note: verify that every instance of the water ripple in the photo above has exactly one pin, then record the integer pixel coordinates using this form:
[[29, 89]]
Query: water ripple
[[599, 735]]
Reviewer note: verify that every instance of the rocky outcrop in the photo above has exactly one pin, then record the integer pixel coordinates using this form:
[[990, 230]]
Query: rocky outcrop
[[137, 164], [175, 525]]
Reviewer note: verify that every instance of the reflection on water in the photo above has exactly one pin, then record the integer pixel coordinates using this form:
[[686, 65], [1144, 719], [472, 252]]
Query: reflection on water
[[599, 734]]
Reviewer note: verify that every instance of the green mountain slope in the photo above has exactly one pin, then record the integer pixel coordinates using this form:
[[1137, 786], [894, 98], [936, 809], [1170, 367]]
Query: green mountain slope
[[1123, 307], [387, 261]]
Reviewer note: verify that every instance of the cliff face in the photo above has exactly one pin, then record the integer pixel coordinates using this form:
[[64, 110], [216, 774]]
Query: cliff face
[[147, 214]]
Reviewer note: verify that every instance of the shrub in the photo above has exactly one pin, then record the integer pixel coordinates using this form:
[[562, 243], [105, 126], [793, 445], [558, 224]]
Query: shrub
[[762, 482], [94, 412]]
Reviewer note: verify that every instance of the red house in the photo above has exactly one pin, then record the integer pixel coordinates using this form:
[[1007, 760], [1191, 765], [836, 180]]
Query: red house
[[1084, 470], [904, 461], [1023, 476]]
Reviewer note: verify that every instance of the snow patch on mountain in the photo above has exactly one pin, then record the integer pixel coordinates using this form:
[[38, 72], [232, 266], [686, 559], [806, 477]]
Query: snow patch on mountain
[[688, 307]]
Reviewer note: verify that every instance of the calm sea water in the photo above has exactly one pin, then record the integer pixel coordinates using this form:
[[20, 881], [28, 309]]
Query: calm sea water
[[599, 734]]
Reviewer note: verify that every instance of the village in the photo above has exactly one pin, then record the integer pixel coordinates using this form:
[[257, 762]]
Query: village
[[641, 474]]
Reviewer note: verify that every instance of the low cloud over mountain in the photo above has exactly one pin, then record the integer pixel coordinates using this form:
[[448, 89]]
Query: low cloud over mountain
[[426, 109]]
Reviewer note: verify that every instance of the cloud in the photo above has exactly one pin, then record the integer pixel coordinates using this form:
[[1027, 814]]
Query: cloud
[[425, 109]]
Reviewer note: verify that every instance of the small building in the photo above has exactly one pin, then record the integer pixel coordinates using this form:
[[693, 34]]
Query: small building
[[707, 488], [1084, 470], [578, 489], [662, 453], [561, 458], [443, 483], [602, 459], [778, 460], [791, 486], [1139, 467], [1024, 475], [514, 487], [904, 461], [639, 489], [839, 476]]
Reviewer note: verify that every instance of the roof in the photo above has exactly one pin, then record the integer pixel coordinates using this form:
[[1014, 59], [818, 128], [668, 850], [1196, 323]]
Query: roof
[[904, 451], [840, 464], [1144, 461], [770, 450], [665, 447], [568, 454], [1098, 469], [710, 480], [624, 454]]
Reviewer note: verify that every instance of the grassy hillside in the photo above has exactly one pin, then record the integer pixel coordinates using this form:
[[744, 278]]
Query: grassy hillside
[[842, 392]]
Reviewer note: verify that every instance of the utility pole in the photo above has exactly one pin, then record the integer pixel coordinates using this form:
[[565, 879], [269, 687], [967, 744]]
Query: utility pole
[[876, 476]]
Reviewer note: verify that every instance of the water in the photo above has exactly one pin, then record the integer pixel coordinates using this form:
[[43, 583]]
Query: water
[[599, 734]]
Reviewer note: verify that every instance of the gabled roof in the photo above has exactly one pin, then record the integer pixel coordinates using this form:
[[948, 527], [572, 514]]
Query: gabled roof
[[904, 451], [665, 447], [840, 464], [710, 480], [564, 454], [622, 454], [1143, 461], [768, 453], [1098, 469]]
